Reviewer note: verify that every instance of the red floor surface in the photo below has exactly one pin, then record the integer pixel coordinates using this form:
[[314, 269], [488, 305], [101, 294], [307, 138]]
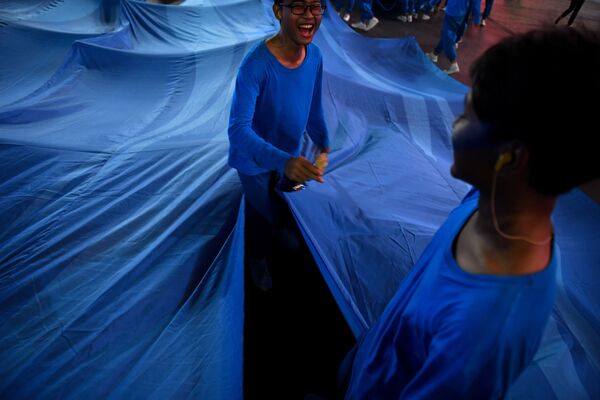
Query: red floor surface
[[507, 17]]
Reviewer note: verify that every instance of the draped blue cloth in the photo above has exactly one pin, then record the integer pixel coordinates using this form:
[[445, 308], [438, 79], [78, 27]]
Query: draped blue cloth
[[121, 230]]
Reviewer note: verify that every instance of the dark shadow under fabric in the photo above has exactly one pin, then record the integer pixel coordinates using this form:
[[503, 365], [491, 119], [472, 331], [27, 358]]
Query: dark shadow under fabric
[[295, 336]]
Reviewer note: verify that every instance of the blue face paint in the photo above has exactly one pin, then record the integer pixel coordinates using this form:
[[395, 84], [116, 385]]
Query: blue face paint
[[475, 147], [468, 135]]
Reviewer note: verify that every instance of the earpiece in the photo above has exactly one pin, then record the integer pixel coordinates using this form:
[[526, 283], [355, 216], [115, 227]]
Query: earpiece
[[503, 159]]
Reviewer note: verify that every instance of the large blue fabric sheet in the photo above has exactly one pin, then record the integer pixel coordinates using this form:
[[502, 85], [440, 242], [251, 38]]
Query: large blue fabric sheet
[[121, 245]]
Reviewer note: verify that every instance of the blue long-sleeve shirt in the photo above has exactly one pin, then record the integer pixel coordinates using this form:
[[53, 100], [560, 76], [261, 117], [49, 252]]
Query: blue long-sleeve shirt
[[449, 334], [272, 108]]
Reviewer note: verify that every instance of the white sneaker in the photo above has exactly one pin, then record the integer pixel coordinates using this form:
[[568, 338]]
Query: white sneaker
[[346, 17], [425, 17], [482, 22], [402, 18], [409, 18], [371, 23], [453, 69], [433, 57], [359, 25]]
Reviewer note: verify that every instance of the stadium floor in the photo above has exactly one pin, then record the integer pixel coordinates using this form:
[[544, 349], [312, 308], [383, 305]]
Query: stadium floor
[[507, 17]]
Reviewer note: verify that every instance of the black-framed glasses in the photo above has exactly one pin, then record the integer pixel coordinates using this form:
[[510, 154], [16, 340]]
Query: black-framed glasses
[[300, 8]]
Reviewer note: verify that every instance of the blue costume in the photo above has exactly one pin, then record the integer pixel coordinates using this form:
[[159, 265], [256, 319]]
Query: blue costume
[[366, 12], [454, 20], [449, 334], [272, 108]]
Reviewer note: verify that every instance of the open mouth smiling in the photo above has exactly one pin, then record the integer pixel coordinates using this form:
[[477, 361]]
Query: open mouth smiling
[[306, 30]]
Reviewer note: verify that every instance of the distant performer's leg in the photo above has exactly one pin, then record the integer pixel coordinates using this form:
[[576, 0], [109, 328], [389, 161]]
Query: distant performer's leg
[[575, 11], [567, 11]]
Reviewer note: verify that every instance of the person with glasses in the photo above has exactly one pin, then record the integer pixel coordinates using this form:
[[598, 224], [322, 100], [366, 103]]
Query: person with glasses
[[277, 99], [469, 317]]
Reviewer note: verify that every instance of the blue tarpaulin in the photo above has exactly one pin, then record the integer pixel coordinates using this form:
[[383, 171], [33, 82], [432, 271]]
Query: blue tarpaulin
[[121, 231]]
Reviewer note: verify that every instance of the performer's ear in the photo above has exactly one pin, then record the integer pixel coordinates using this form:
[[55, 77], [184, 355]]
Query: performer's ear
[[277, 11], [503, 160]]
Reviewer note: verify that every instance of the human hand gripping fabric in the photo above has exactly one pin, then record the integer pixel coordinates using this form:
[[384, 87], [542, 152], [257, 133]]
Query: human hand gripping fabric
[[300, 170], [322, 159]]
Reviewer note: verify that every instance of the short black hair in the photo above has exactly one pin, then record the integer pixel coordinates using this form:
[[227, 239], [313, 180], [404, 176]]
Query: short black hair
[[541, 88]]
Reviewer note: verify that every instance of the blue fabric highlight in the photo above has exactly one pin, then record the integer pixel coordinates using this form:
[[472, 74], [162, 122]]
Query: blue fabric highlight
[[121, 223]]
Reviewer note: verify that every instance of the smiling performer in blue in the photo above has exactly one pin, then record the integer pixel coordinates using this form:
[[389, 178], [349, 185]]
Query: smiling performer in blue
[[277, 98], [470, 315]]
